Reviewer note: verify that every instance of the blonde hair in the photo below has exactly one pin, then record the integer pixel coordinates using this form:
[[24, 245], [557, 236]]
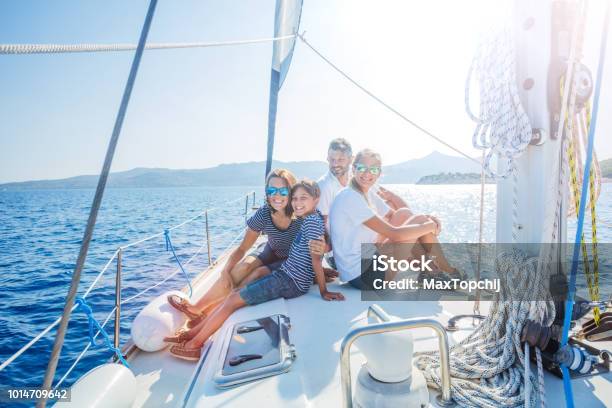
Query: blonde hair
[[358, 157], [289, 180]]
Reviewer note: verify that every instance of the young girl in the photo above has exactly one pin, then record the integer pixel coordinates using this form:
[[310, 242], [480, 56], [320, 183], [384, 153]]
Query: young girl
[[292, 279]]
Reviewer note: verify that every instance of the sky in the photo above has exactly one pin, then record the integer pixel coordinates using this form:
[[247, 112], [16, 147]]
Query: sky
[[197, 108]]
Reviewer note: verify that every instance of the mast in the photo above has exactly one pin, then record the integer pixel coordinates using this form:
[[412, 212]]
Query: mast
[[286, 22], [526, 203]]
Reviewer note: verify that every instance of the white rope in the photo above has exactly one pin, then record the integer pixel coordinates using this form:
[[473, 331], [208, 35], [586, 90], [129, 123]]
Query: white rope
[[176, 270], [383, 103], [488, 367], [104, 269], [502, 126], [74, 48], [8, 361], [476, 308], [226, 250], [200, 214]]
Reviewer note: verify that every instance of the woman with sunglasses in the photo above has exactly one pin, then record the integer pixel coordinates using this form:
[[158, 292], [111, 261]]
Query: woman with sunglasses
[[274, 219], [359, 215]]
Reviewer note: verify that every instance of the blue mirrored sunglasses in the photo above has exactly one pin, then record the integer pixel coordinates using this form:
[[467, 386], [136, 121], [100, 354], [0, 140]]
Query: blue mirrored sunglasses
[[284, 191], [361, 168]]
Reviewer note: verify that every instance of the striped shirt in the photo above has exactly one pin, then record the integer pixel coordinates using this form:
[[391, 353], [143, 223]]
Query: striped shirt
[[299, 263], [278, 239]]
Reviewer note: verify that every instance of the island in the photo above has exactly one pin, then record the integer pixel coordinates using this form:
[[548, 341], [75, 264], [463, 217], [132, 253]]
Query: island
[[454, 178]]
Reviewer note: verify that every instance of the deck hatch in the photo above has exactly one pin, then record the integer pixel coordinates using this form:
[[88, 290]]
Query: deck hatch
[[256, 349]]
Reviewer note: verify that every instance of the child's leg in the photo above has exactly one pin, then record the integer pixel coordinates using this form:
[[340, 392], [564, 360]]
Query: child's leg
[[258, 273], [216, 320]]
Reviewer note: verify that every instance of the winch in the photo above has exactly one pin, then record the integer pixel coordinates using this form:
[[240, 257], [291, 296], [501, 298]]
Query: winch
[[388, 377]]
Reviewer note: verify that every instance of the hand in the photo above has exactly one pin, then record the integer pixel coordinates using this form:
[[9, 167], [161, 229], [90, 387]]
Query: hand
[[384, 193], [330, 274], [433, 226], [317, 246], [438, 223], [227, 280], [332, 295]]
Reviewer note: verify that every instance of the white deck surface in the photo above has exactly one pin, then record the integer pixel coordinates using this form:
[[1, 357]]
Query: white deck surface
[[318, 328]]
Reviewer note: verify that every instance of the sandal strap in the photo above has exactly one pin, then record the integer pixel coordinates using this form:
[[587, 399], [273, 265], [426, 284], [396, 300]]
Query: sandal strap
[[180, 304]]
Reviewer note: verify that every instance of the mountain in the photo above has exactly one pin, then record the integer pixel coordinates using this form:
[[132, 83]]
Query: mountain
[[412, 170], [247, 174], [235, 174]]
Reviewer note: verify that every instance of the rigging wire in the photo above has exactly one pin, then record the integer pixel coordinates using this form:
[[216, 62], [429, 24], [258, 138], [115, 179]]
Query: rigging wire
[[569, 304], [93, 214], [383, 103]]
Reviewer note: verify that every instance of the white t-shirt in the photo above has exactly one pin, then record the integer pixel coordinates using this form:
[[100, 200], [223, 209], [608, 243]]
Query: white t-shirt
[[329, 186], [347, 214]]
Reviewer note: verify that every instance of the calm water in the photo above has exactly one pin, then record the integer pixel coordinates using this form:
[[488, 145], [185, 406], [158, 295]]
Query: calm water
[[40, 233]]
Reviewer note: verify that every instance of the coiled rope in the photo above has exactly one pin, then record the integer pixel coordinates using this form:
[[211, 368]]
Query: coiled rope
[[76, 48], [502, 126], [488, 367]]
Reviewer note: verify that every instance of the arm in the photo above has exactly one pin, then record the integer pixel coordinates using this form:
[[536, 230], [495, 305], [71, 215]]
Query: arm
[[403, 233], [319, 246], [320, 278], [393, 200]]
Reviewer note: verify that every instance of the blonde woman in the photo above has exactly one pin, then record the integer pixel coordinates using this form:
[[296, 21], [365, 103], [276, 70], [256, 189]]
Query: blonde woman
[[359, 215]]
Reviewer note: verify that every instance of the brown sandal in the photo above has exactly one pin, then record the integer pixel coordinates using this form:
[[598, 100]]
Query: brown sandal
[[191, 354], [191, 323], [180, 336], [181, 305]]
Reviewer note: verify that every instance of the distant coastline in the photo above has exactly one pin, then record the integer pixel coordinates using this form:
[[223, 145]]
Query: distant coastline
[[453, 178], [431, 169], [246, 174]]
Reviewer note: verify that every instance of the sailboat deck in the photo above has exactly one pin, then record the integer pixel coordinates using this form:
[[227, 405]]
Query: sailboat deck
[[317, 330]]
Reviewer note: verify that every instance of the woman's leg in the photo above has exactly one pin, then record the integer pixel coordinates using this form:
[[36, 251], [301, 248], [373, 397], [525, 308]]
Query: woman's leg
[[220, 289], [427, 244], [405, 251], [258, 273], [430, 245]]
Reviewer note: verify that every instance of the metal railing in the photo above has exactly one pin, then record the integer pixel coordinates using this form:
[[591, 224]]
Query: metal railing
[[118, 257], [385, 326]]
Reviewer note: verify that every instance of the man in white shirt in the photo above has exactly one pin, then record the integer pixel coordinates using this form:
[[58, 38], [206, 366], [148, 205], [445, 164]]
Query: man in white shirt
[[339, 157]]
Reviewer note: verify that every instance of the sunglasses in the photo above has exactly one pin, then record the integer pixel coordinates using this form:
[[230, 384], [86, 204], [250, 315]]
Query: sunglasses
[[284, 191], [362, 168]]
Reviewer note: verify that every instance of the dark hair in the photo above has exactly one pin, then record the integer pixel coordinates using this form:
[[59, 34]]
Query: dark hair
[[340, 144], [311, 187], [289, 180]]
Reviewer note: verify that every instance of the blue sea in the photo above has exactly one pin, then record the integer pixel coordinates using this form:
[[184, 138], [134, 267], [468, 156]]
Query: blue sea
[[41, 232]]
